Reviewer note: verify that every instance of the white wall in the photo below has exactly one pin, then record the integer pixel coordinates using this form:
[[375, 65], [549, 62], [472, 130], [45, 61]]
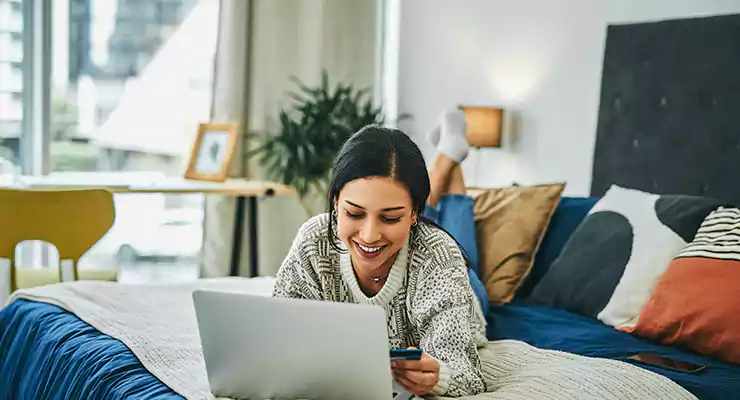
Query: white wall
[[539, 59], [287, 38], [300, 38]]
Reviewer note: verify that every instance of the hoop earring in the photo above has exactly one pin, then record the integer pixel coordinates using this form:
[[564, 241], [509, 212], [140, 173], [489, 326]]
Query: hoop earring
[[415, 223]]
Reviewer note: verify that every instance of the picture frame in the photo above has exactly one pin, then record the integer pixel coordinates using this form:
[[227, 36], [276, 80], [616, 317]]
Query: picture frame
[[212, 152]]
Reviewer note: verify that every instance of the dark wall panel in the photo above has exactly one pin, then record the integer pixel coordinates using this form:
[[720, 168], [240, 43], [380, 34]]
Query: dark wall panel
[[669, 114]]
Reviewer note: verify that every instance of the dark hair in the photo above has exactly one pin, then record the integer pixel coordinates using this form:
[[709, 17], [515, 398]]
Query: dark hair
[[379, 151], [384, 152]]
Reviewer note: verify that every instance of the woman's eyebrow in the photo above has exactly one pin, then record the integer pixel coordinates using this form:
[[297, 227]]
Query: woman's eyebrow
[[354, 205], [385, 209]]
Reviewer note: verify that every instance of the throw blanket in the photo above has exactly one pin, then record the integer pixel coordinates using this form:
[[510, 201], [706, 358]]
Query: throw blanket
[[158, 324]]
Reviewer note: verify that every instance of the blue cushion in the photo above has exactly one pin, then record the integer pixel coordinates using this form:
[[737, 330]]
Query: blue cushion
[[567, 216]]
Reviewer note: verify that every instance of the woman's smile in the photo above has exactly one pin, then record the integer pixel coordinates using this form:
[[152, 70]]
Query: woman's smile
[[369, 252]]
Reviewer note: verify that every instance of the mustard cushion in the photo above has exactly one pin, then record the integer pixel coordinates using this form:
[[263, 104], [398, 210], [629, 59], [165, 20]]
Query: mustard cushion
[[510, 225]]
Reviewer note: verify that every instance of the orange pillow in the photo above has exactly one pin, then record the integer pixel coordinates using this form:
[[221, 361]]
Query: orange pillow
[[696, 304]]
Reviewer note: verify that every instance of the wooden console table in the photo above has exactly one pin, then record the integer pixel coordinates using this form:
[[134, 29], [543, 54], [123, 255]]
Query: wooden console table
[[242, 189]]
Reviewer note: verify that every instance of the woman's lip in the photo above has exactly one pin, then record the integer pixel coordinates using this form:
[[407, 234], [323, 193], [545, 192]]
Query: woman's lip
[[368, 245], [366, 255]]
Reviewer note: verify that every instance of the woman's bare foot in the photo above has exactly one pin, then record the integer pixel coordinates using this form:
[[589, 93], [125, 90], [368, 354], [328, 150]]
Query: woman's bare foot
[[456, 184], [439, 177]]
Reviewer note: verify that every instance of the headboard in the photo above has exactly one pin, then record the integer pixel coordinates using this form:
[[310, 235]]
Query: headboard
[[669, 114]]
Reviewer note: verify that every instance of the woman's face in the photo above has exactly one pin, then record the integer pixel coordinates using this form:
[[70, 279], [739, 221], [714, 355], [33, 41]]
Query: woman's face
[[374, 216]]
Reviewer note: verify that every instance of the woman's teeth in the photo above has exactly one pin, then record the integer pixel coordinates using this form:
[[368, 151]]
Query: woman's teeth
[[370, 249]]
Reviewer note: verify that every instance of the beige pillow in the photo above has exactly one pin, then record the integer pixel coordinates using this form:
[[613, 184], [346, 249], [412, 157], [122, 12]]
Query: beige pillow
[[510, 225]]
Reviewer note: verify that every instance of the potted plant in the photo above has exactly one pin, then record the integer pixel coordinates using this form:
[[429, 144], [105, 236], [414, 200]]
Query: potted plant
[[301, 151]]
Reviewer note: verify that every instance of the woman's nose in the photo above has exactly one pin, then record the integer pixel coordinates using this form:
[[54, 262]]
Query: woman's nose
[[370, 232]]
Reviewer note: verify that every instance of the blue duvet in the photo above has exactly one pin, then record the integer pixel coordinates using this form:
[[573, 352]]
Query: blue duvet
[[49, 353], [561, 330]]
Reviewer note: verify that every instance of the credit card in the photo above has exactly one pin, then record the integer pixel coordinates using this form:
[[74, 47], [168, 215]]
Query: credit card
[[406, 354]]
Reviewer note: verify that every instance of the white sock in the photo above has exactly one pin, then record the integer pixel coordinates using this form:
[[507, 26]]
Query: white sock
[[452, 140]]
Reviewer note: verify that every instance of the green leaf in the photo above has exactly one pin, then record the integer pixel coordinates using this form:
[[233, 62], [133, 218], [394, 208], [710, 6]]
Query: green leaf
[[310, 132]]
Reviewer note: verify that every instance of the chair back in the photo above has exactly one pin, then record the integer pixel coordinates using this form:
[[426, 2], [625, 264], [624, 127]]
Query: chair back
[[73, 221]]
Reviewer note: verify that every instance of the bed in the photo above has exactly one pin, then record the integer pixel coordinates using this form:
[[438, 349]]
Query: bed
[[49, 352]]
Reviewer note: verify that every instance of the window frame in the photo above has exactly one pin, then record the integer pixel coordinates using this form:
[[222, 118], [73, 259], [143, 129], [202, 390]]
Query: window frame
[[36, 95]]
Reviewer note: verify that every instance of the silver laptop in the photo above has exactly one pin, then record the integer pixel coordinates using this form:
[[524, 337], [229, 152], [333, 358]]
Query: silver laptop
[[259, 347]]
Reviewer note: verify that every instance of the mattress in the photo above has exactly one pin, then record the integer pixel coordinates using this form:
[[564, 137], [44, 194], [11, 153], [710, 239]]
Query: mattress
[[558, 329], [49, 353]]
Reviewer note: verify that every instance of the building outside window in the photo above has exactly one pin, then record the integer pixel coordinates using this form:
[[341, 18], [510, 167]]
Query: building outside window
[[11, 79]]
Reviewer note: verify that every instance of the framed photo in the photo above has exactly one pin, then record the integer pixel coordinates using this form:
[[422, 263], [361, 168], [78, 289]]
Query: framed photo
[[212, 152]]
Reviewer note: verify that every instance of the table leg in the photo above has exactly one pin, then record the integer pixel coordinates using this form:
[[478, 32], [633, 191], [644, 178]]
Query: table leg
[[236, 246], [253, 236]]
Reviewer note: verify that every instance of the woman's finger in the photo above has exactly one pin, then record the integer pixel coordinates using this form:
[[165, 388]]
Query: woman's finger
[[426, 364], [408, 385], [425, 379], [411, 365], [403, 382]]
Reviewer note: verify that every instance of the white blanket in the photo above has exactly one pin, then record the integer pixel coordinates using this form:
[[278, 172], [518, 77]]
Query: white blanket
[[158, 324]]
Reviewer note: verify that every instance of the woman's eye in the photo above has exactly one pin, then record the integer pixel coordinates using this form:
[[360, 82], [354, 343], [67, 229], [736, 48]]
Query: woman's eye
[[389, 220], [354, 216]]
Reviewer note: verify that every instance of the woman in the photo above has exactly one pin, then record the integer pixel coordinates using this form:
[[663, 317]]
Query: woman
[[374, 246]]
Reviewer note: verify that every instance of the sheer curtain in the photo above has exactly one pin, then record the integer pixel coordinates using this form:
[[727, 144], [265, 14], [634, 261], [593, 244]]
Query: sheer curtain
[[261, 44]]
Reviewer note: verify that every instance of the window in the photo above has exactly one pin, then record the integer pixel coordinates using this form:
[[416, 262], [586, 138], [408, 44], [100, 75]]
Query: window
[[11, 80], [129, 82], [129, 86]]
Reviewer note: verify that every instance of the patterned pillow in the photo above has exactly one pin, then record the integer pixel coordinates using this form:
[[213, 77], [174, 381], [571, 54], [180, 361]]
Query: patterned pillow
[[610, 265], [696, 302]]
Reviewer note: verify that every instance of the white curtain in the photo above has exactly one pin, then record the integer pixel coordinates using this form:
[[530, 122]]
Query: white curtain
[[261, 44]]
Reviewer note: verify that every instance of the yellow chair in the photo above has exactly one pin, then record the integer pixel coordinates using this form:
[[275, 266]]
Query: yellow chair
[[71, 220]]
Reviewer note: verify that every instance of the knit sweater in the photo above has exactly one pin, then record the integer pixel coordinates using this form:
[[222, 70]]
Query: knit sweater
[[427, 297]]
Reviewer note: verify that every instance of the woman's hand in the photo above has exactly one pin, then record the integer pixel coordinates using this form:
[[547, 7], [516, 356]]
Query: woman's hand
[[417, 377]]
